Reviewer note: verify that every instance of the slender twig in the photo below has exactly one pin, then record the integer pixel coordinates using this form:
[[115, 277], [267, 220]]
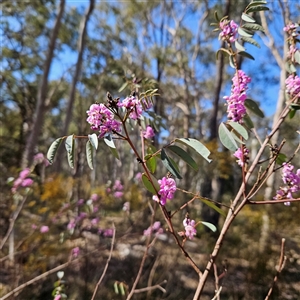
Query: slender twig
[[12, 221], [107, 262], [282, 260], [218, 289], [274, 201], [150, 288], [37, 278], [217, 295]]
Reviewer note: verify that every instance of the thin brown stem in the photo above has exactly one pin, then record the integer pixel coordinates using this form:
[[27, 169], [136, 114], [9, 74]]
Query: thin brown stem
[[107, 262], [281, 264]]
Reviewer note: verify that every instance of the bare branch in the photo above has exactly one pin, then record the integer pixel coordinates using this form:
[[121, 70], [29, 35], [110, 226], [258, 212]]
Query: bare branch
[[107, 262]]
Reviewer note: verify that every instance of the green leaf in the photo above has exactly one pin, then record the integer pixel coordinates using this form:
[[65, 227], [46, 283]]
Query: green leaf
[[250, 41], [70, 147], [116, 287], [281, 158], [295, 106], [248, 121], [247, 18], [255, 27], [246, 54], [53, 149], [149, 186], [169, 164], [110, 143], [122, 288], [226, 138], [151, 163], [236, 137], [243, 33], [89, 154], [256, 8], [196, 146], [239, 129], [93, 138], [213, 206], [222, 50], [292, 113], [123, 87], [184, 156], [231, 61], [256, 3], [211, 226], [216, 16], [239, 46], [253, 106]]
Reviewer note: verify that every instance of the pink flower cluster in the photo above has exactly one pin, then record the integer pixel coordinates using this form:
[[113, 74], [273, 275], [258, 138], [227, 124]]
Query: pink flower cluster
[[242, 155], [293, 86], [155, 229], [102, 119], [236, 101], [229, 31], [189, 226], [148, 133], [291, 181], [39, 158], [117, 189], [167, 190], [133, 105], [290, 27], [22, 180]]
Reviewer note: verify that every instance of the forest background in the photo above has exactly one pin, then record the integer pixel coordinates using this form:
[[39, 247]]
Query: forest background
[[59, 57]]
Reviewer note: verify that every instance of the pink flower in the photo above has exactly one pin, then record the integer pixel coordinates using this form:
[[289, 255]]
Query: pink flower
[[167, 189], [94, 197], [291, 181], [118, 194], [189, 226], [148, 133], [229, 31], [102, 119], [57, 297], [293, 86], [236, 101], [44, 229], [75, 251], [118, 186], [27, 182], [155, 229], [24, 173], [133, 105], [242, 156]]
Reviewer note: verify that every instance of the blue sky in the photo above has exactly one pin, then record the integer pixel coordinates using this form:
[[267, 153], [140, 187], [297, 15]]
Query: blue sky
[[267, 90]]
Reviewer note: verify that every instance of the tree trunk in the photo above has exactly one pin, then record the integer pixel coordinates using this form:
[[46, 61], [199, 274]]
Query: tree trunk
[[39, 113], [212, 185], [71, 100]]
